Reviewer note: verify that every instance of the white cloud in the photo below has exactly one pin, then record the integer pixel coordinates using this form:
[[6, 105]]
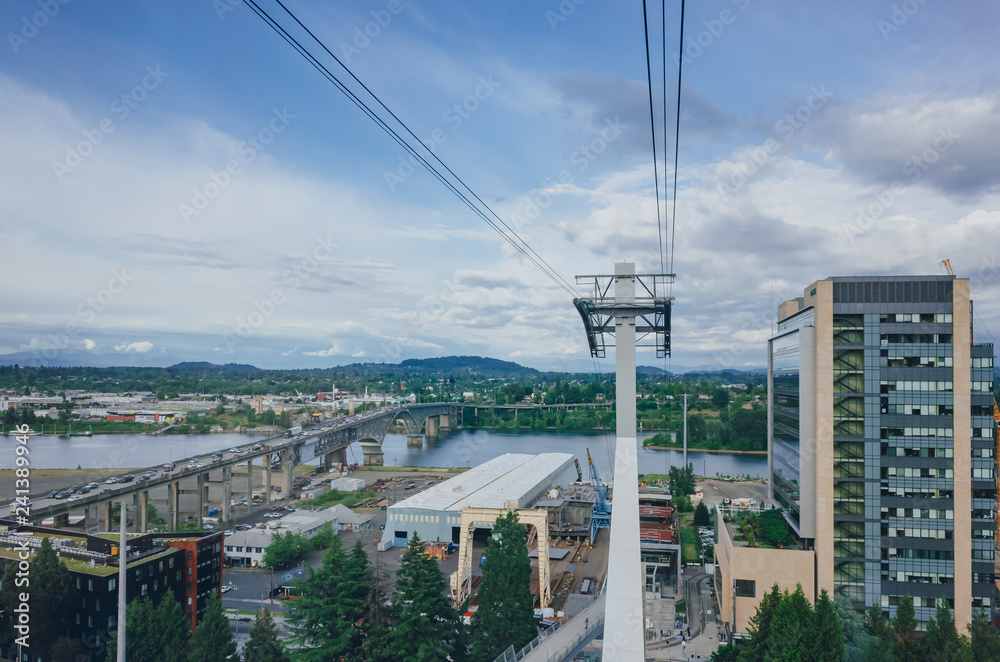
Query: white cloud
[[140, 347], [89, 344]]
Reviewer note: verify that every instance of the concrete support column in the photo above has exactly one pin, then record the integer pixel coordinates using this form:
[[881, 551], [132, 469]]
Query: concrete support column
[[61, 521], [173, 503], [227, 493], [201, 499], [143, 515], [431, 426], [107, 515], [327, 462], [287, 474], [249, 482], [444, 422], [90, 519], [416, 440], [136, 513], [267, 481], [372, 452]]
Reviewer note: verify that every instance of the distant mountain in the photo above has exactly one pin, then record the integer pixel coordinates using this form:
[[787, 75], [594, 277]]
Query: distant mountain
[[205, 365], [449, 365], [651, 370]]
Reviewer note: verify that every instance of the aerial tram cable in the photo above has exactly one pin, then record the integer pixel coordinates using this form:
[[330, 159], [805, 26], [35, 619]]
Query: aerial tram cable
[[652, 128], [509, 235]]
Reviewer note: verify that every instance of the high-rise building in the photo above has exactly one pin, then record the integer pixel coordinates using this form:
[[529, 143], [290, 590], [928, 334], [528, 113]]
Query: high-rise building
[[881, 444]]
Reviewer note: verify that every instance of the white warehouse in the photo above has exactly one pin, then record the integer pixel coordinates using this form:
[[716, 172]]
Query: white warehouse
[[507, 481]]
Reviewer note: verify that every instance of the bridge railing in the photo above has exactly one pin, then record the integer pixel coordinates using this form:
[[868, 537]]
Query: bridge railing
[[510, 655]]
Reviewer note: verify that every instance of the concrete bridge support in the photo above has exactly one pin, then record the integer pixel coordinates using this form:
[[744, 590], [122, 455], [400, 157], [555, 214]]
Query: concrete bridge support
[[444, 421], [107, 515], [173, 503], [202, 497], [416, 440], [372, 451], [431, 426], [267, 481], [61, 521], [227, 493], [91, 520], [139, 502], [287, 476]]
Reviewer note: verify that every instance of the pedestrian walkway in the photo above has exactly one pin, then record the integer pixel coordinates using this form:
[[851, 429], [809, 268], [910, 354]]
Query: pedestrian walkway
[[572, 636]]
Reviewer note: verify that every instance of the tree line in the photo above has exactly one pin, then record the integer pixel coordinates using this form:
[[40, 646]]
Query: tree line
[[786, 628]]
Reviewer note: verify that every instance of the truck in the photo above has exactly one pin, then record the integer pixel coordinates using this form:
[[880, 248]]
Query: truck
[[743, 503], [291, 432]]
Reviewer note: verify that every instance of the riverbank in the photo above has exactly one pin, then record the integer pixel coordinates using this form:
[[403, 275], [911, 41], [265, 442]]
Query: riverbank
[[704, 450]]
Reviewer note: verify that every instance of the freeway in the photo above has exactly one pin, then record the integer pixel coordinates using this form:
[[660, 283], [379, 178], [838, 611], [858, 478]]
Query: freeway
[[315, 441]]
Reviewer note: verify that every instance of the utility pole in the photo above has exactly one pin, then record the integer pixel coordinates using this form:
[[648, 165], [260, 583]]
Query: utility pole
[[685, 430], [122, 575]]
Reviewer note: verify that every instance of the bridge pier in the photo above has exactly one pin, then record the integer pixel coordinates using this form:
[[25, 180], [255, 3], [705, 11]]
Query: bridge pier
[[107, 515], [415, 440], [267, 481], [91, 522], [227, 493], [202, 493], [287, 476], [61, 521], [431, 426], [444, 421], [173, 503], [372, 451]]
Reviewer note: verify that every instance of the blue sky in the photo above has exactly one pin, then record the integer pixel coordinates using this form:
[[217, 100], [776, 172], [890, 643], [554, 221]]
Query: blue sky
[[817, 139]]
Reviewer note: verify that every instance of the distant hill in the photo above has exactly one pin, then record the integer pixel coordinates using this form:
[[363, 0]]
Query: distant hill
[[205, 365], [448, 365]]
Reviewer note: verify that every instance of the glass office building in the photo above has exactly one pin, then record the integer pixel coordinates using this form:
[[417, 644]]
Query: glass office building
[[881, 440]]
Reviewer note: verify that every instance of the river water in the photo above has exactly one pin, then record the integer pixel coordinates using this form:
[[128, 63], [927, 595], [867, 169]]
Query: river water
[[461, 448]]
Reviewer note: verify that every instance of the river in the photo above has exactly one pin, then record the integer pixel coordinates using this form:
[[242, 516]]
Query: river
[[462, 448]]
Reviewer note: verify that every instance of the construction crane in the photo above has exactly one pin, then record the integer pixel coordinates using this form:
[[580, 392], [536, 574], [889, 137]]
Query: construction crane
[[947, 265], [602, 506]]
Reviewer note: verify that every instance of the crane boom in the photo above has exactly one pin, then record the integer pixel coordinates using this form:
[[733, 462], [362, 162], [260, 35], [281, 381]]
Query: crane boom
[[601, 515]]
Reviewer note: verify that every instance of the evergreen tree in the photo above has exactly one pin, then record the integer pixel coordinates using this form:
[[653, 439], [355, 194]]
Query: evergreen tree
[[378, 617], [172, 629], [791, 629], [880, 639], [759, 627], [985, 642], [263, 645], [426, 625], [213, 640], [701, 515], [50, 599], [727, 653], [506, 607], [941, 639], [8, 602], [827, 642], [142, 643], [323, 619], [904, 626], [852, 624]]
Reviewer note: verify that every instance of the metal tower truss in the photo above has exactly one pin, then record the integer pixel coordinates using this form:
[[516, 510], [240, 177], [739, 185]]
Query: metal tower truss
[[651, 311]]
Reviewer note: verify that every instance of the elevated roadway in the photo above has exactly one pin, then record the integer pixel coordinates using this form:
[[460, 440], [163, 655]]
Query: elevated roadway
[[277, 455]]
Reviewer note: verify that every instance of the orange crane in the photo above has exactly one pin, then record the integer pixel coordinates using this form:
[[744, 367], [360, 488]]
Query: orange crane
[[947, 265]]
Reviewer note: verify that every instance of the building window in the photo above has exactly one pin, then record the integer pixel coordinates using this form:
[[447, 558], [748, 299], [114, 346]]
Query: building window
[[745, 588], [111, 583]]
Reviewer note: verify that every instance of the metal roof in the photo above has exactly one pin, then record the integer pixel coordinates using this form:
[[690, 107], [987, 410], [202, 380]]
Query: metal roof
[[503, 479]]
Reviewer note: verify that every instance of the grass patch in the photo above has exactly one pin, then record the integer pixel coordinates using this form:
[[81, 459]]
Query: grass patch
[[333, 497]]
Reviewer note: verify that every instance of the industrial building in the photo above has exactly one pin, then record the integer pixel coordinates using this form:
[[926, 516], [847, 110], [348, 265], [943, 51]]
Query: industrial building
[[510, 481], [881, 445]]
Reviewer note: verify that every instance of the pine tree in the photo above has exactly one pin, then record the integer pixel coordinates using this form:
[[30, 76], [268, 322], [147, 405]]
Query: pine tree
[[263, 645], [880, 639], [172, 629], [50, 598], [323, 619], [985, 642], [904, 626], [827, 642], [791, 629], [759, 627], [142, 643], [378, 617], [701, 515], [506, 607], [941, 638], [213, 640], [427, 625]]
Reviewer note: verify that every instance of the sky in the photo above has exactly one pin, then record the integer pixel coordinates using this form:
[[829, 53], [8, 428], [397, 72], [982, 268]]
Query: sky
[[177, 183]]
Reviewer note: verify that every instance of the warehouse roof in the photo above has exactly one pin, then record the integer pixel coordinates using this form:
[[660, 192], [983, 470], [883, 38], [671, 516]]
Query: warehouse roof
[[506, 478]]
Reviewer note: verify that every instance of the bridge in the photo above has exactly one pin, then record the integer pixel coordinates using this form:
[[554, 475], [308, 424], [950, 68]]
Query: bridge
[[276, 458]]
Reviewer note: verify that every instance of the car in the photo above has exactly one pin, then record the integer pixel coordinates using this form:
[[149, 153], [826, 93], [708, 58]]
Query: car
[[168, 467], [227, 588], [52, 494], [105, 491], [91, 486], [111, 481], [64, 494], [244, 527], [83, 490], [75, 497], [75, 488], [234, 450], [127, 478], [14, 505], [142, 479]]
